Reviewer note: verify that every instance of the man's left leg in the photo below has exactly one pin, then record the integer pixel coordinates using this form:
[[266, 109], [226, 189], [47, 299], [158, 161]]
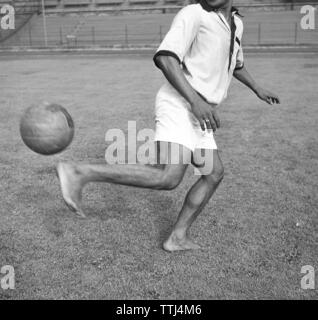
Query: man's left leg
[[195, 201]]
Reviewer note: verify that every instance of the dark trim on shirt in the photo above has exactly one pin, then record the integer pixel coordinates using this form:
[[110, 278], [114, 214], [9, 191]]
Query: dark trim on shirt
[[165, 53], [236, 11], [239, 68], [233, 39]]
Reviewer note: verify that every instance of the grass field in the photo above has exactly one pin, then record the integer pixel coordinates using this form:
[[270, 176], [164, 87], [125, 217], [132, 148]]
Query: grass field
[[257, 232]]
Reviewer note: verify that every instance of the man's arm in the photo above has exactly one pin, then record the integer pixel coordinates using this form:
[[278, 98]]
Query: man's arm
[[265, 95], [204, 112]]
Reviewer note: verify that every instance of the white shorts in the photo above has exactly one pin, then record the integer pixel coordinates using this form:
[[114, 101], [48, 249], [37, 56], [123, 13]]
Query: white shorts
[[176, 123]]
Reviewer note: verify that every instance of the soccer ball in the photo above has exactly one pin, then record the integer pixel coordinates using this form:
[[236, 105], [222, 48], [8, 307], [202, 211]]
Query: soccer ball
[[47, 128]]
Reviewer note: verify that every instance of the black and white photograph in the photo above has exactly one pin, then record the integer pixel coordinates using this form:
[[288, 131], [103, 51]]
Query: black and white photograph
[[158, 150]]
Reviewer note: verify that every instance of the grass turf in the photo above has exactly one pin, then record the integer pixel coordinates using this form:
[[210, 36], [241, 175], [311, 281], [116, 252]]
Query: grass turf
[[258, 231]]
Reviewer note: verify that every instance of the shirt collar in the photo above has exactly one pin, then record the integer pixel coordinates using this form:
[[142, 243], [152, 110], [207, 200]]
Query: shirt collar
[[206, 7]]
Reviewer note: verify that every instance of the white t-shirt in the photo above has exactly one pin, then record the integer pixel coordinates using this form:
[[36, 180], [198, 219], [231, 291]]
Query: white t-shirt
[[200, 39]]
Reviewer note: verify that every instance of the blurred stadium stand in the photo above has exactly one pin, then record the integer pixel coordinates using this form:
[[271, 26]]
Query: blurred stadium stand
[[89, 23], [68, 6]]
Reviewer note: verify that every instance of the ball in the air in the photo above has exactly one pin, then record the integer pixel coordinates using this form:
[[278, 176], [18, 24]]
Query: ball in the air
[[47, 128]]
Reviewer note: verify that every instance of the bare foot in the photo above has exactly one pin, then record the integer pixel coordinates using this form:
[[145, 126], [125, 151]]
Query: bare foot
[[173, 243], [71, 187]]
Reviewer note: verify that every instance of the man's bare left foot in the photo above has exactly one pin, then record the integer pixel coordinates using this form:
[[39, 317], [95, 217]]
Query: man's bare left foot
[[71, 187], [173, 243]]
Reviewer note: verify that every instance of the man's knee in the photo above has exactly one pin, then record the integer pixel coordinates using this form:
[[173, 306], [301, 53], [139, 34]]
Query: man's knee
[[213, 169], [216, 175]]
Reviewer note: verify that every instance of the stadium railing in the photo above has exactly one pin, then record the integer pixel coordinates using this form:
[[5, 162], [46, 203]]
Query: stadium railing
[[91, 6], [125, 31]]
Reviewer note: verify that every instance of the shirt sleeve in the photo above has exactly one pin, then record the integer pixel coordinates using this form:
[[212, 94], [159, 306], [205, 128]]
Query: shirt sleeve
[[239, 59], [182, 32]]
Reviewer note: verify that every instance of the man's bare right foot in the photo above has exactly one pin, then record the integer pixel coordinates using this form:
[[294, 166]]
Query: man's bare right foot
[[173, 243], [71, 187]]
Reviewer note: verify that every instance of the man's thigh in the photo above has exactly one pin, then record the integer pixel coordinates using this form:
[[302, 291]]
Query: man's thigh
[[169, 153], [172, 158]]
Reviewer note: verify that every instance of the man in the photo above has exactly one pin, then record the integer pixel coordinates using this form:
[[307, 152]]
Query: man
[[198, 57]]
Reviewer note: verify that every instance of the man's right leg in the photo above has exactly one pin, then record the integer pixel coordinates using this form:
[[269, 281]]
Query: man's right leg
[[73, 177]]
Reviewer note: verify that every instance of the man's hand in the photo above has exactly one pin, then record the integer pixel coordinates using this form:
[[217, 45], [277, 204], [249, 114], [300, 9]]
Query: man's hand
[[206, 114], [265, 95]]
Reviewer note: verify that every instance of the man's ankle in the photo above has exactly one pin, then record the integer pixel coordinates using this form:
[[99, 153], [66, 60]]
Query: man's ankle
[[179, 233]]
